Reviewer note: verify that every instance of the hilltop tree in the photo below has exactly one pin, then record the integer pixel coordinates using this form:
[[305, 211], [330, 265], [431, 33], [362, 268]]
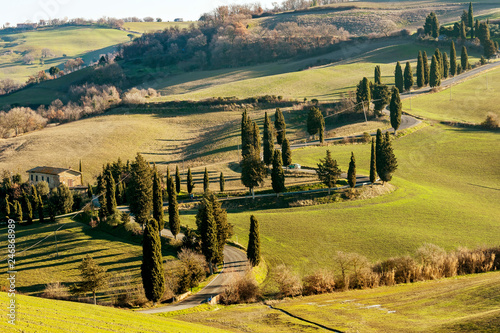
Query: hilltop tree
[[140, 190], [435, 75], [190, 182], [253, 170], [94, 277], [153, 277], [286, 153], [280, 126], [408, 77], [110, 193], [206, 181], [253, 249], [464, 59], [395, 109], [208, 230], [173, 210], [389, 164], [381, 97], [277, 174], [328, 171], [158, 199], [453, 60], [399, 80], [378, 75], [363, 94], [373, 171], [351, 173], [420, 70], [268, 141], [446, 65], [426, 68], [222, 182], [177, 180], [315, 121]]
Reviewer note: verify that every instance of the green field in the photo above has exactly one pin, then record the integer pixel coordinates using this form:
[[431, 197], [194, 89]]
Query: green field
[[144, 27], [42, 315], [471, 100], [40, 265], [461, 304], [64, 44]]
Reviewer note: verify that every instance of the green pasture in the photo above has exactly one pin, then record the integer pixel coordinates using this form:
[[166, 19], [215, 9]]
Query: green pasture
[[144, 27]]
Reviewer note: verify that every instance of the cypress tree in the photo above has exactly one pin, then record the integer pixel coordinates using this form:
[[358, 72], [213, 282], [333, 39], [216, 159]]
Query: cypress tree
[[280, 126], [18, 211], [351, 172], [389, 164], [190, 183], [222, 182], [268, 141], [426, 68], [167, 177], [363, 94], [253, 170], [41, 217], [158, 200], [396, 109], [256, 138], [379, 142], [446, 65], [153, 276], [378, 75], [206, 181], [483, 33], [90, 193], [110, 193], [177, 180], [101, 193], [464, 59], [253, 249], [315, 121], [439, 58], [224, 229], [459, 69], [7, 206], [476, 27], [408, 77], [246, 133], [373, 171], [208, 231], [277, 174], [453, 60], [328, 171], [286, 153], [420, 71], [471, 20], [322, 133], [399, 80], [28, 208], [173, 210], [140, 190], [463, 32], [435, 76]]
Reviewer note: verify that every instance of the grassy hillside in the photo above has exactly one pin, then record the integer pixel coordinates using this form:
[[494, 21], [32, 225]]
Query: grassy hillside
[[144, 27], [40, 265], [471, 100], [463, 304], [64, 44], [42, 315]]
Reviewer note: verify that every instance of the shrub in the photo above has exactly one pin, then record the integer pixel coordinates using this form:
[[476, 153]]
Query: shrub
[[243, 289], [491, 121], [288, 282], [367, 138], [319, 283], [475, 261], [56, 290]]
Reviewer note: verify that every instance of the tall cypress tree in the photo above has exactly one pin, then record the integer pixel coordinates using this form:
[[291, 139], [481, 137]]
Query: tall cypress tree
[[28, 209], [286, 152], [453, 60], [207, 227], [158, 200], [18, 211], [446, 65], [256, 138], [110, 193], [277, 174], [378, 75], [268, 141], [396, 109], [222, 182], [363, 96], [7, 206], [464, 59], [173, 210], [379, 142], [315, 121], [280, 126], [41, 216], [435, 75], [463, 31], [408, 77], [224, 229], [439, 58], [253, 249], [153, 276], [140, 190], [471, 20], [420, 71], [351, 172], [399, 80], [206, 181], [389, 164], [177, 180], [189, 181], [426, 68], [246, 133], [373, 171], [253, 170]]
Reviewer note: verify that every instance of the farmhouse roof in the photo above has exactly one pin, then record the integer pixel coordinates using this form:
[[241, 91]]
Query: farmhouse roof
[[51, 171]]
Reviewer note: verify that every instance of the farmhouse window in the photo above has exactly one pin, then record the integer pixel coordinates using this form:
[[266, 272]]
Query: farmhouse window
[[31, 177], [36, 178]]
